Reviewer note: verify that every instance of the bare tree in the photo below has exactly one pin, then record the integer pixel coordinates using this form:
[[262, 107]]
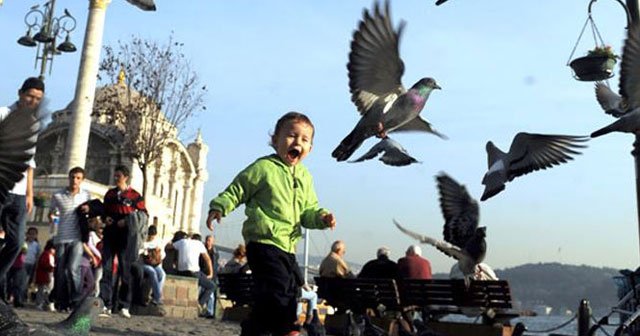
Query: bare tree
[[157, 93]]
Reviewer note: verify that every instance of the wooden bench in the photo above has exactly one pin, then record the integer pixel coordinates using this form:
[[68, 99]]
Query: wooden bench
[[359, 294], [491, 299], [236, 287]]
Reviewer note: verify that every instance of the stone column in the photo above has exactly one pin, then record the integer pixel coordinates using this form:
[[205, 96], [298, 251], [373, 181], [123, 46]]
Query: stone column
[[78, 137], [186, 209]]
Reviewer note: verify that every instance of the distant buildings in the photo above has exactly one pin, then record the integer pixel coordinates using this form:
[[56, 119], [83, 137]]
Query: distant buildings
[[176, 181]]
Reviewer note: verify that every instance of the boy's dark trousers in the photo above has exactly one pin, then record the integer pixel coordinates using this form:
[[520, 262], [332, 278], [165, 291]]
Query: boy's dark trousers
[[276, 283]]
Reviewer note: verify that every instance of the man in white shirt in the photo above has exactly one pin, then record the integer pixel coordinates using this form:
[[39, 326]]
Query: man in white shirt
[[189, 253], [13, 213]]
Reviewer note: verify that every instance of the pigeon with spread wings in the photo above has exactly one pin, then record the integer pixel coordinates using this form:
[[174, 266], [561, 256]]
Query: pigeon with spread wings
[[145, 5], [18, 132], [463, 239], [528, 152], [394, 153], [375, 70], [627, 104]]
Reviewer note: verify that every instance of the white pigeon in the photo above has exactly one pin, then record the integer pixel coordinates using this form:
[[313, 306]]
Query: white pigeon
[[394, 153], [145, 5], [627, 104], [464, 240], [528, 152]]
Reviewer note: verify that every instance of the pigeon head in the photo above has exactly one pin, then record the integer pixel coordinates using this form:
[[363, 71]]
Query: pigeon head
[[426, 83], [481, 231]]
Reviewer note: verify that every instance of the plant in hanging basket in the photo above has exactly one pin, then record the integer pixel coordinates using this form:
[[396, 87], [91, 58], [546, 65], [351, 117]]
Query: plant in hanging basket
[[41, 199], [597, 65]]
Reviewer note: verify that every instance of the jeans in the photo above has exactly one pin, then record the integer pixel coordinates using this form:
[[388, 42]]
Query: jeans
[[126, 262], [13, 218], [207, 288], [312, 302], [157, 276], [68, 277]]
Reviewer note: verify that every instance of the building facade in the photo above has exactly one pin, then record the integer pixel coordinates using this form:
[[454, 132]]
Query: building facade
[[175, 181]]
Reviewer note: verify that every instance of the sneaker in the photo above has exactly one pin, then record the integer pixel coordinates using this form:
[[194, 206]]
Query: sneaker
[[124, 312], [106, 312], [51, 307]]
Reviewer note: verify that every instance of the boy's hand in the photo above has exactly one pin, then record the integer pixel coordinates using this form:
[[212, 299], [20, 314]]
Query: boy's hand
[[213, 215], [330, 220]]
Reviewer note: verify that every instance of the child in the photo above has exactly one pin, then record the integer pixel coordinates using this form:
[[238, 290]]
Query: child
[[279, 198], [44, 276], [33, 251]]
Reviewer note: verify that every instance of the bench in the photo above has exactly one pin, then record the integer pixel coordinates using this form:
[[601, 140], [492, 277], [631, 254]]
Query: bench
[[236, 287], [491, 299]]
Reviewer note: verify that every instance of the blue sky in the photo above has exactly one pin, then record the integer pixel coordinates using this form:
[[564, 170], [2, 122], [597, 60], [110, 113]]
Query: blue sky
[[502, 67]]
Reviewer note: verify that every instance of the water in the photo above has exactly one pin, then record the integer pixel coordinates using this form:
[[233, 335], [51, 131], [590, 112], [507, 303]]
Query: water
[[536, 324]]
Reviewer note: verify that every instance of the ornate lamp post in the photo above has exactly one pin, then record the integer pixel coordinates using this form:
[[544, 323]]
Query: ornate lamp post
[[49, 29]]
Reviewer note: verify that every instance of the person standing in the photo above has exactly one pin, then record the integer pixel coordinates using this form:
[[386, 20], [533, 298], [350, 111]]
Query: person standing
[[212, 251], [67, 242], [413, 265], [120, 203], [280, 199], [333, 265], [19, 202]]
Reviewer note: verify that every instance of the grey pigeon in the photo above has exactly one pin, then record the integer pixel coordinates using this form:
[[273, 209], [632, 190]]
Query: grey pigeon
[[145, 5], [440, 2], [375, 69], [611, 102], [627, 104], [464, 240], [394, 153], [77, 324], [17, 140], [528, 152]]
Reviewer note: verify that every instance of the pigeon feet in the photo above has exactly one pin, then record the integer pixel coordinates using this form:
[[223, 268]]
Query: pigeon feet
[[382, 133]]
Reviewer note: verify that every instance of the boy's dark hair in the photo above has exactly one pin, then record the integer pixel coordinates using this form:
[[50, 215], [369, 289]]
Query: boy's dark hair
[[76, 170], [123, 169], [153, 230], [196, 236], [293, 117], [32, 83]]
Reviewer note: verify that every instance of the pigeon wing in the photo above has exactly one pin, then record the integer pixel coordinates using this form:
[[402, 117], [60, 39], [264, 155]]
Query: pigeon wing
[[420, 125], [396, 155], [17, 139], [460, 211], [530, 152], [371, 153], [375, 68], [444, 247], [629, 78], [145, 5], [609, 100]]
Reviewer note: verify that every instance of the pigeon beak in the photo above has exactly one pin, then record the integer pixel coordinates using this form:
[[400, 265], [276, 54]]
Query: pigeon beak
[[436, 86]]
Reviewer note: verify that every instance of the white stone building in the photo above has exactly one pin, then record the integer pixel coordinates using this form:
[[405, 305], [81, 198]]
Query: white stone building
[[175, 188]]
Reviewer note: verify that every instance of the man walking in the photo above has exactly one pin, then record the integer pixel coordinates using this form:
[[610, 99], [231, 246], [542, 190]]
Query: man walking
[[13, 213]]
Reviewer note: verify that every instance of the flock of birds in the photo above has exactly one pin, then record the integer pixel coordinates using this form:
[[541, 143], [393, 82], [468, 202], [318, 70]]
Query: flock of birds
[[375, 69]]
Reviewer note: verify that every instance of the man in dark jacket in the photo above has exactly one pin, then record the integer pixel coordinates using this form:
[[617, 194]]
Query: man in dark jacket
[[381, 267]]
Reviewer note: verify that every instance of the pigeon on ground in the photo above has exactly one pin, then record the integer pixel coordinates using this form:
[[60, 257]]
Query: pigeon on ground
[[464, 240], [627, 104], [77, 324], [394, 153], [375, 69], [528, 152], [17, 140], [145, 5]]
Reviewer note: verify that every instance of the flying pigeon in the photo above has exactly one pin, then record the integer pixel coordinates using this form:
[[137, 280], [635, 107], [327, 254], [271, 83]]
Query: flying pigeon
[[375, 69], [145, 5], [440, 2], [627, 104], [464, 240], [394, 153], [528, 152], [77, 324], [17, 140]]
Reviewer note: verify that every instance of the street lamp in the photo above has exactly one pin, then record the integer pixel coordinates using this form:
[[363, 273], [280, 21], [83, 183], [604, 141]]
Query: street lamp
[[49, 28]]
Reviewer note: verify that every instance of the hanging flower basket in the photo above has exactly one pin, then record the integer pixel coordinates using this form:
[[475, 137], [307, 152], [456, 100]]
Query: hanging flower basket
[[597, 65]]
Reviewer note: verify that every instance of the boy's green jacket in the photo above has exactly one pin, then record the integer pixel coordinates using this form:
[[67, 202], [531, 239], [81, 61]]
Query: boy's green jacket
[[278, 199]]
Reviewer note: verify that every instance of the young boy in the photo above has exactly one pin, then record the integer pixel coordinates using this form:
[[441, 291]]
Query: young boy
[[279, 198]]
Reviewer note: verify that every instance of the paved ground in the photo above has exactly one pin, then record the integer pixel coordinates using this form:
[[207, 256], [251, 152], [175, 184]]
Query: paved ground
[[138, 325]]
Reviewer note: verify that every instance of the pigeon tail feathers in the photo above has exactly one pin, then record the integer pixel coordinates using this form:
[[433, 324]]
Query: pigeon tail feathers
[[348, 146]]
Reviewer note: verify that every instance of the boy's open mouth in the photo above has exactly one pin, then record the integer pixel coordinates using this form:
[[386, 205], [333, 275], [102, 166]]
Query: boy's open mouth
[[293, 153]]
